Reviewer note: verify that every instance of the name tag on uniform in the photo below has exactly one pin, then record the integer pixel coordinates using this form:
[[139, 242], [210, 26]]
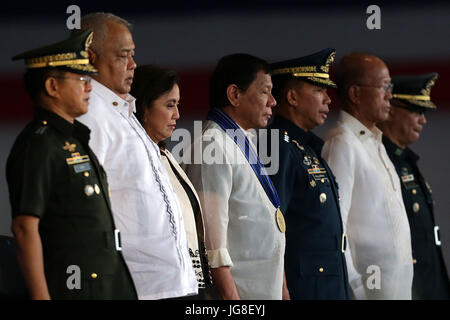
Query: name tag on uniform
[[409, 181], [408, 178], [86, 166]]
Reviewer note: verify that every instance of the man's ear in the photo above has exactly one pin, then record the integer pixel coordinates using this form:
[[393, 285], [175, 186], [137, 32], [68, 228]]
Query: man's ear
[[291, 97], [51, 87], [92, 56], [354, 94], [233, 93]]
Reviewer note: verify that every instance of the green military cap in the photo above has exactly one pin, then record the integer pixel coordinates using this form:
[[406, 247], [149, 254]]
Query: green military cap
[[69, 55], [415, 90], [313, 68]]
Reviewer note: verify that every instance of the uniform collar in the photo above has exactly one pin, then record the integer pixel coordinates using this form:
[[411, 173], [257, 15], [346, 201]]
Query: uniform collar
[[297, 133], [359, 130], [77, 129], [396, 151], [125, 106], [82, 132]]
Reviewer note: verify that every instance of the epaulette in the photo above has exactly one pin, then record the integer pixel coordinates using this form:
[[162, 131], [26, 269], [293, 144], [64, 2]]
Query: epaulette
[[41, 129], [288, 140]]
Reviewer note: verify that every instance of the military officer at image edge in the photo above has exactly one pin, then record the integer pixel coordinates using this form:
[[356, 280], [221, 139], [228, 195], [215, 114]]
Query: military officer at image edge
[[411, 100], [315, 241], [62, 219]]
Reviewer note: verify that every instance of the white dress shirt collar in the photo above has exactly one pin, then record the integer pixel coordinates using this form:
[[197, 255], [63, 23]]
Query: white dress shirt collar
[[359, 130], [251, 135], [126, 106]]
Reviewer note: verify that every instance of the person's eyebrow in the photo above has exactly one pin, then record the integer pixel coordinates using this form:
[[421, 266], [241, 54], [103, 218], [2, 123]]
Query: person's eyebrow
[[126, 49]]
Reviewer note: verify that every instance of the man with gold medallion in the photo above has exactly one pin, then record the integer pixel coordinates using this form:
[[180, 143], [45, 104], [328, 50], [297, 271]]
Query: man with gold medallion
[[243, 223], [315, 242]]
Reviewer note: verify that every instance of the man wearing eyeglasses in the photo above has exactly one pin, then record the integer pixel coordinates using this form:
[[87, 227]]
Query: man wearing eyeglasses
[[62, 219], [411, 99], [379, 261]]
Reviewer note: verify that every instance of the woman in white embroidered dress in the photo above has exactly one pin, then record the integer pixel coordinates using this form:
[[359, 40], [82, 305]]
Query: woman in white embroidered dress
[[157, 96]]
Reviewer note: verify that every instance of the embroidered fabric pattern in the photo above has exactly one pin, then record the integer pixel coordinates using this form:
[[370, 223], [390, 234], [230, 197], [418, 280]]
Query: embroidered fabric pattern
[[158, 180], [196, 263]]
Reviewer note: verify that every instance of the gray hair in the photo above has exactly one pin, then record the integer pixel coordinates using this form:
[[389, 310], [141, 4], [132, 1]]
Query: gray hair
[[97, 22]]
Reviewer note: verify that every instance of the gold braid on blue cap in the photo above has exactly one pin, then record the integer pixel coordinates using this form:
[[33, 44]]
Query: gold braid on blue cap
[[309, 71]]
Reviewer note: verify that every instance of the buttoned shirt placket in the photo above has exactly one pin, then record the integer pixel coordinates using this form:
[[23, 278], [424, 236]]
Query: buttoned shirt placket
[[140, 131], [372, 142]]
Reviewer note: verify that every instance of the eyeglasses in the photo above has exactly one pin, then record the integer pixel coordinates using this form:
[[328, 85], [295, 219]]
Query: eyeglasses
[[85, 79], [388, 87]]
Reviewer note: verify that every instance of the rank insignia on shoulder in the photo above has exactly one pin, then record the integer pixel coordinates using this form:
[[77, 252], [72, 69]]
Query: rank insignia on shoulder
[[70, 147], [286, 137], [41, 130]]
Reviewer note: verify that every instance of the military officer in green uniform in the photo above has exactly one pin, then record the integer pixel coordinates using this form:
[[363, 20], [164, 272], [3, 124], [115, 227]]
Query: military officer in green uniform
[[68, 247], [315, 241], [411, 99]]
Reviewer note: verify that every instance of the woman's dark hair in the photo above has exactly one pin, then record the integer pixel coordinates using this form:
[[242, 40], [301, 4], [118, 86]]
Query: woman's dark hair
[[239, 69], [149, 83]]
